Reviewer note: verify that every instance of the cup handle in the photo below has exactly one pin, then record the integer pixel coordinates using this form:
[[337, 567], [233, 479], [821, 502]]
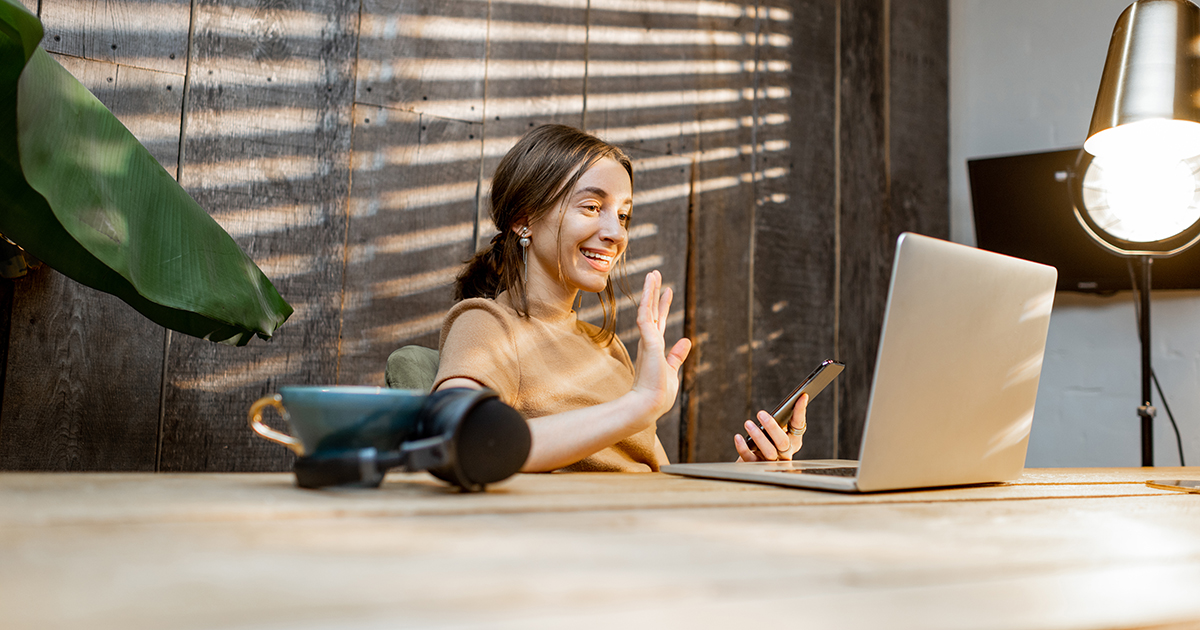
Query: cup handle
[[256, 423]]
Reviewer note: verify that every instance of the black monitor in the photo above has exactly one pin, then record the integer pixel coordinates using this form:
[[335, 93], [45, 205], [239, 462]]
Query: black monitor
[[1022, 208]]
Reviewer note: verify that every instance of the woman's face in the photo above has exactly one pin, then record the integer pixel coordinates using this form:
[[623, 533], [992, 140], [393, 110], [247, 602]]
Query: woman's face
[[593, 234]]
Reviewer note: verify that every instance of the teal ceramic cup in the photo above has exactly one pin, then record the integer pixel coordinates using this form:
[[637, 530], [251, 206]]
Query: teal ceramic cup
[[326, 419]]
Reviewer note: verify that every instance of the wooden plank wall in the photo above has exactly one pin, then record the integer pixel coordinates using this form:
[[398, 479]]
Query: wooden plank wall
[[347, 145], [860, 158], [893, 172]]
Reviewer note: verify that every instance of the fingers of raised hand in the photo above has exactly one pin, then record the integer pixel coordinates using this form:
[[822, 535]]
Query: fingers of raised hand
[[648, 309], [664, 308]]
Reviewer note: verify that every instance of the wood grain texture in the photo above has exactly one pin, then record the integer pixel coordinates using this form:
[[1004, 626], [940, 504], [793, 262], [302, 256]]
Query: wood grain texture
[[894, 177], [726, 216], [426, 56], [418, 144], [83, 383], [412, 224], [267, 151], [920, 136], [592, 551], [535, 67], [867, 240], [97, 499], [149, 34], [795, 228], [646, 72]]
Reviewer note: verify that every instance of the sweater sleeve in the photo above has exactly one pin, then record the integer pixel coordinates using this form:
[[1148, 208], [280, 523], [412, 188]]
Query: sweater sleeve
[[477, 343]]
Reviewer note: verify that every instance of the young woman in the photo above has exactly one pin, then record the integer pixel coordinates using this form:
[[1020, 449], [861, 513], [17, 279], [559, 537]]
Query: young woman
[[562, 200]]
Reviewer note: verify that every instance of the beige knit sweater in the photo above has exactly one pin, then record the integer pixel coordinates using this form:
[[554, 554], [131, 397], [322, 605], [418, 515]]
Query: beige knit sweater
[[543, 366]]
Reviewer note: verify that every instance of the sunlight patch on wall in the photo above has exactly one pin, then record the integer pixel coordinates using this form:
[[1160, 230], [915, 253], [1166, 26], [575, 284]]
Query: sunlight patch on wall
[[681, 8], [457, 70], [253, 123], [618, 36], [406, 154], [446, 28], [233, 21], [391, 26], [425, 27], [409, 285], [645, 263], [542, 105], [134, 19], [408, 199], [245, 374], [671, 130], [406, 329], [677, 191], [416, 241], [697, 67], [650, 100], [267, 220], [689, 9], [447, 70], [287, 265], [248, 171], [642, 230], [661, 194]]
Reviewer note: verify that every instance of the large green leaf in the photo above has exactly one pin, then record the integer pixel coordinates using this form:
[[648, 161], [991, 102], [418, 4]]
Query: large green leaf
[[79, 192]]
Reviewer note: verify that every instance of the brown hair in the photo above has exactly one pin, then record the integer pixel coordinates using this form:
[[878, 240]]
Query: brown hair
[[532, 179]]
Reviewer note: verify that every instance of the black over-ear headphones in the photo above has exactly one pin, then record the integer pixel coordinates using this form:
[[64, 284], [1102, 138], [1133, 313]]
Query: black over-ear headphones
[[466, 437]]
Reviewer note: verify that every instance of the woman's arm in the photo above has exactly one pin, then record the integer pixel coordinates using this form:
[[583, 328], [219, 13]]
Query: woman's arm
[[564, 438]]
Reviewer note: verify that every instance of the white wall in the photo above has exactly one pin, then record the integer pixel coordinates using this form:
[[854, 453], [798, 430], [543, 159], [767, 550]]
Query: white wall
[[1023, 78]]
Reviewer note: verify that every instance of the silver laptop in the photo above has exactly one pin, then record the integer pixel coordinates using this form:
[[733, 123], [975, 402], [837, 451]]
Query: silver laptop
[[955, 380]]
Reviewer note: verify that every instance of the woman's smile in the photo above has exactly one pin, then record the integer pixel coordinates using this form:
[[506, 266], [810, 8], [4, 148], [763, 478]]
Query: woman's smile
[[602, 261]]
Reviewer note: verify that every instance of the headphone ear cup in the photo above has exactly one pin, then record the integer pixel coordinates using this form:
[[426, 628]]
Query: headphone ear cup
[[433, 411], [485, 440], [491, 444]]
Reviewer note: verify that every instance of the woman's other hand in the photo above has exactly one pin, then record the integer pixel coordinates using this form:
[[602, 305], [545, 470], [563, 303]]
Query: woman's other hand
[[775, 444], [657, 370]]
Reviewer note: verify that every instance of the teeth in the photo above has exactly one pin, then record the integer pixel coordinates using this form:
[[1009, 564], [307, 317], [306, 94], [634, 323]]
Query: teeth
[[598, 256]]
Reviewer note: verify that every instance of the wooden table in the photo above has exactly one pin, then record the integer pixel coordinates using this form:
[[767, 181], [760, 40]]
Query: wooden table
[[1078, 548]]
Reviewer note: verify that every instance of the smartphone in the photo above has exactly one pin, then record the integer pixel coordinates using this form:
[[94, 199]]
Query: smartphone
[[812, 385]]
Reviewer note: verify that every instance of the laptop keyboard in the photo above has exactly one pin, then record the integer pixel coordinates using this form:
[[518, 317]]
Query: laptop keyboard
[[839, 471]]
